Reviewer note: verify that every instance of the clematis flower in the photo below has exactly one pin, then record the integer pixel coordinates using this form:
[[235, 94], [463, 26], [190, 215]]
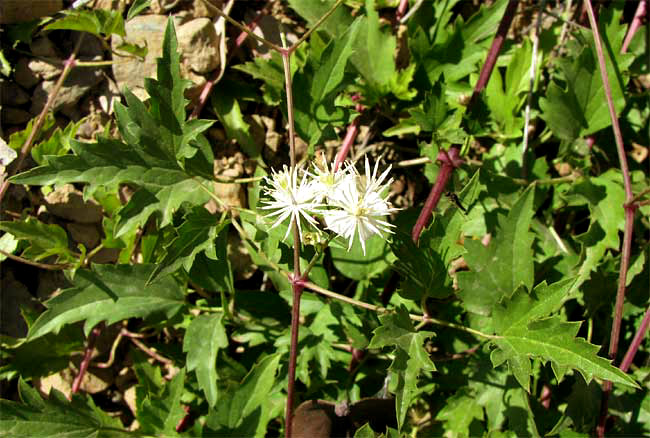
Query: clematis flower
[[326, 181], [360, 206], [290, 199]]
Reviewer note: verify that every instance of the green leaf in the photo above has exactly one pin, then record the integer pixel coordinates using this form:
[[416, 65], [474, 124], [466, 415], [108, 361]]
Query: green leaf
[[579, 108], [58, 143], [604, 196], [56, 416], [136, 8], [203, 339], [364, 431], [425, 267], [357, 266], [524, 333], [102, 294], [374, 50], [497, 270], [410, 356], [316, 87], [8, 243], [195, 234], [160, 415], [99, 22], [244, 408], [458, 413], [271, 72], [227, 108], [45, 240], [167, 157]]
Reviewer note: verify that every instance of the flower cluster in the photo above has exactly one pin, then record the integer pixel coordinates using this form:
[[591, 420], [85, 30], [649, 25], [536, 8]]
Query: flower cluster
[[350, 204]]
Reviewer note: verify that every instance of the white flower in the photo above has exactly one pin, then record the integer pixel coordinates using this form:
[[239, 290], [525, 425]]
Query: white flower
[[359, 207], [326, 180], [291, 200]]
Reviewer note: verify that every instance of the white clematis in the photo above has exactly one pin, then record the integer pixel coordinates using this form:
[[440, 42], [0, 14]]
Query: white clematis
[[360, 206], [290, 199]]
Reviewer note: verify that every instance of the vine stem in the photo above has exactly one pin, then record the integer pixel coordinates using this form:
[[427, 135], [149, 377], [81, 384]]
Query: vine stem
[[450, 160], [641, 11], [629, 207], [378, 309], [495, 48], [85, 361], [296, 286], [69, 64]]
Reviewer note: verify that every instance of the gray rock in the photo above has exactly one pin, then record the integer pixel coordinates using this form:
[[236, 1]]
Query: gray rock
[[85, 234], [67, 202], [44, 47], [200, 9], [75, 86], [130, 72], [14, 116], [149, 30], [24, 76], [12, 94], [199, 44]]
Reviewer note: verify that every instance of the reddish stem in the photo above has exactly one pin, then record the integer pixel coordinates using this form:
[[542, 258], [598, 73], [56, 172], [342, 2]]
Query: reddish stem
[[629, 207], [297, 288], [493, 54], [83, 366], [401, 9], [450, 160], [635, 25], [636, 342]]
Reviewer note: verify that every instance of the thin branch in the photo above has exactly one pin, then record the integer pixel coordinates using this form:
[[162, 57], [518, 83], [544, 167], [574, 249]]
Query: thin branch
[[29, 143], [243, 28], [641, 11], [629, 217], [85, 361], [150, 351], [55, 267], [378, 309], [316, 25], [636, 342]]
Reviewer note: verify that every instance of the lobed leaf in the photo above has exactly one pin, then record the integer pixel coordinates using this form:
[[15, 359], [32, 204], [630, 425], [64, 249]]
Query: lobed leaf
[[102, 294], [56, 416]]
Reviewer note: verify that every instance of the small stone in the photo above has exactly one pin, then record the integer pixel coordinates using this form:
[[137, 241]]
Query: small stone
[[85, 234], [67, 202], [14, 116], [24, 76], [129, 399], [199, 44], [113, 5], [44, 47], [44, 70], [12, 94], [75, 86], [200, 9], [57, 381]]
